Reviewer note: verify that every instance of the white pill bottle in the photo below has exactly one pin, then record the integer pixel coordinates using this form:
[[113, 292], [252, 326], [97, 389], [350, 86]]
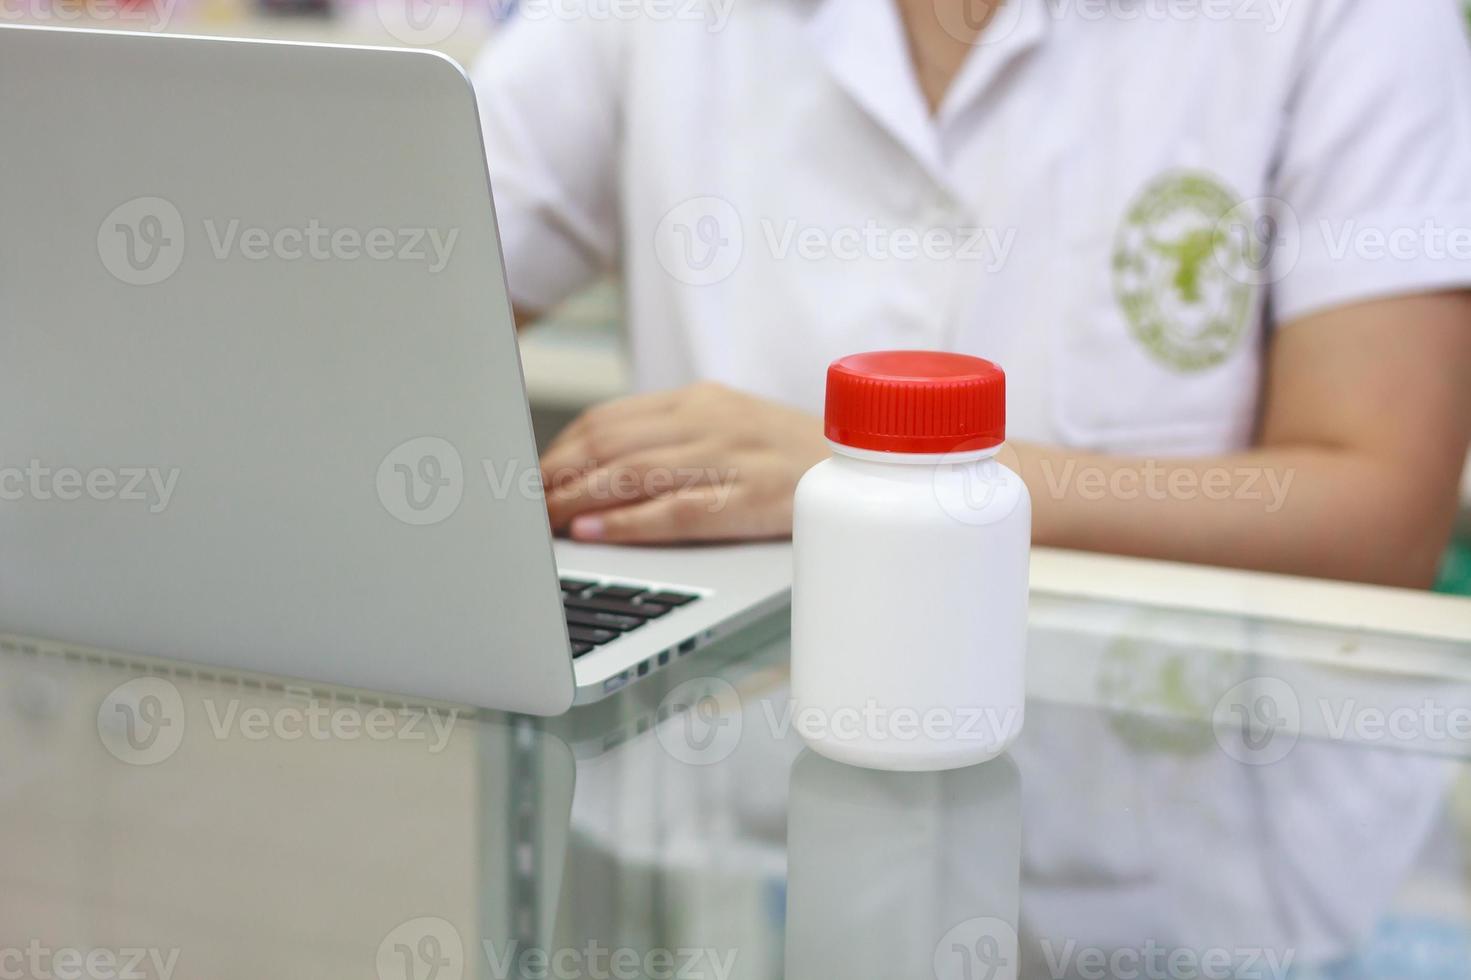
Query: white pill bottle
[[911, 544]]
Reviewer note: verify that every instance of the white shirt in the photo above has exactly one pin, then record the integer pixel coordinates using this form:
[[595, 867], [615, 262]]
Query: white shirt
[[1087, 208]]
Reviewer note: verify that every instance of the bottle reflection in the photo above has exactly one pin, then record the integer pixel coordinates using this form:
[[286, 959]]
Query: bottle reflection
[[899, 874]]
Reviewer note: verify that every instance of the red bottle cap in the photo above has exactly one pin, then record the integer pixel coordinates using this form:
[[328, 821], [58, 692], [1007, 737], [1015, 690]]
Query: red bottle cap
[[916, 401]]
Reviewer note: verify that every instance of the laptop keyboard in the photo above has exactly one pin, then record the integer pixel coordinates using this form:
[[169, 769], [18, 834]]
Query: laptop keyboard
[[599, 612]]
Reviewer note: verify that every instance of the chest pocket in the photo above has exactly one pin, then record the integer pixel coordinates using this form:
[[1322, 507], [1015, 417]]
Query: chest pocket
[[1157, 344], [1156, 331]]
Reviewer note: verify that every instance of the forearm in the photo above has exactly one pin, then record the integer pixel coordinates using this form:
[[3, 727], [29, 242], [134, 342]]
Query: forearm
[[1332, 513]]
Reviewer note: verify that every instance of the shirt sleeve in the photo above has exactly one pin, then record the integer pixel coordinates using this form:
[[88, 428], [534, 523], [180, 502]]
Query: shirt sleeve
[[549, 101], [1375, 168]]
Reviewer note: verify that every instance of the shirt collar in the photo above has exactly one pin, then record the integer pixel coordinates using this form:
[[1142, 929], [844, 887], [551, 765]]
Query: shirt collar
[[863, 45], [1018, 26]]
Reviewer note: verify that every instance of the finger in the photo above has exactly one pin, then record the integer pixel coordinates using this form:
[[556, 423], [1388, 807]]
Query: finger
[[607, 444], [694, 515], [616, 411], [652, 473]]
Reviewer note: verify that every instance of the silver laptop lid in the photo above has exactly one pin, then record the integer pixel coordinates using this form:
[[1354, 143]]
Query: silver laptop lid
[[260, 398]]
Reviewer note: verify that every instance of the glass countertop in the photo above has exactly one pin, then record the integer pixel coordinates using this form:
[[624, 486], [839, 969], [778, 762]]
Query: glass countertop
[[1194, 795]]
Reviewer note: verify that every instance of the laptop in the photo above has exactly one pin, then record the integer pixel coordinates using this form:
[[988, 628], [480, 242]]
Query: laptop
[[261, 405]]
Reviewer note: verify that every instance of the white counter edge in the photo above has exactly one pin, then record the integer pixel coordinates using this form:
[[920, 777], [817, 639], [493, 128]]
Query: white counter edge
[[1340, 605]]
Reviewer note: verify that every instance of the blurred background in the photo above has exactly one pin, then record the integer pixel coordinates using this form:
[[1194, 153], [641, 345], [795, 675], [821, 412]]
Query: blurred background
[[575, 356]]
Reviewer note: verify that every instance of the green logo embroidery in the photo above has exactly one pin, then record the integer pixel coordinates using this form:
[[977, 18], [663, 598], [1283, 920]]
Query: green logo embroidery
[[1161, 696], [1182, 279]]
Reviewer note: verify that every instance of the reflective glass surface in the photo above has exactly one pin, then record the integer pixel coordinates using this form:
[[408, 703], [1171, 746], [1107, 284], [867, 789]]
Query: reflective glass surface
[[1193, 796]]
